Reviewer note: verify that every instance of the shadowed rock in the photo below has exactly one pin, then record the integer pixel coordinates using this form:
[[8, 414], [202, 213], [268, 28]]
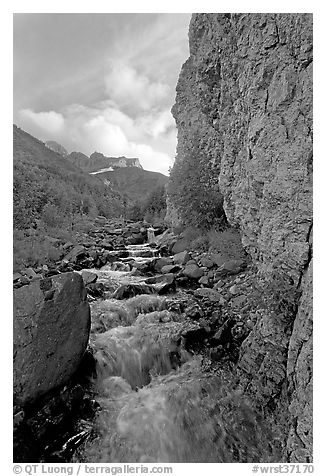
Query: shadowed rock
[[51, 330]]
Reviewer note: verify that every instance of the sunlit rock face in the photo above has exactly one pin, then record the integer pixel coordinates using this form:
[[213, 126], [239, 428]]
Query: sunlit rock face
[[244, 97], [246, 93]]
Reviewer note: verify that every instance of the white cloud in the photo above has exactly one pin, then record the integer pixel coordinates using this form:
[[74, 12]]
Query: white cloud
[[133, 91], [106, 129], [50, 122], [156, 124]]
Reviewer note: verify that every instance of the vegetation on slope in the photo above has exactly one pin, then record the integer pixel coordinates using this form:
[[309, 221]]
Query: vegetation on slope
[[51, 196], [193, 190]]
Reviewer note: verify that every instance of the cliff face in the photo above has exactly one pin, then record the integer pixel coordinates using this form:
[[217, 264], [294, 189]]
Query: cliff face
[[245, 94]]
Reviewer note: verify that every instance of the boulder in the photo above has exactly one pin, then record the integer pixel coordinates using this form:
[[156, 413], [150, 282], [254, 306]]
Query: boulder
[[89, 277], [163, 278], [29, 272], [180, 245], [160, 262], [193, 271], [51, 330], [204, 280], [67, 245], [107, 245], [16, 277], [218, 259], [239, 301], [181, 258], [208, 293], [206, 262], [126, 291], [76, 254], [170, 268], [163, 283], [232, 266]]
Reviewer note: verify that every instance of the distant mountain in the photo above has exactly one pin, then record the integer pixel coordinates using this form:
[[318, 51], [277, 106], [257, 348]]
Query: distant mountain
[[51, 190], [98, 161], [124, 175], [134, 183], [53, 145]]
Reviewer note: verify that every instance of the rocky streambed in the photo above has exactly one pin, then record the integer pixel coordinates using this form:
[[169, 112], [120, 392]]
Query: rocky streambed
[[157, 382]]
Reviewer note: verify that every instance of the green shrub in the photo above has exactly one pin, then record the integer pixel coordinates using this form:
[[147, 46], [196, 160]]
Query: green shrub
[[279, 295], [193, 189], [227, 242]]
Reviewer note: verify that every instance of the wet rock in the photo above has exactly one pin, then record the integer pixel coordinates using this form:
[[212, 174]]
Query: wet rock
[[160, 262], [163, 278], [136, 239], [193, 271], [126, 291], [89, 277], [170, 269], [50, 335], [162, 284], [107, 245], [97, 290], [164, 287]]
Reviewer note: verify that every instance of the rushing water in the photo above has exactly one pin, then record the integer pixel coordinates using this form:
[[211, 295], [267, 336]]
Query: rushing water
[[159, 402]]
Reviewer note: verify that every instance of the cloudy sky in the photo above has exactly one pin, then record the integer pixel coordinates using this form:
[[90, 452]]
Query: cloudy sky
[[103, 82]]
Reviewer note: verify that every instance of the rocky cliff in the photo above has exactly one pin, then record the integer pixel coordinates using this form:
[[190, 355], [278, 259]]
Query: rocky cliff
[[99, 162], [244, 98]]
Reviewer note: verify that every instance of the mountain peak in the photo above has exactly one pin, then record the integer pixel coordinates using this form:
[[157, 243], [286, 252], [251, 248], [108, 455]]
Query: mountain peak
[[56, 147]]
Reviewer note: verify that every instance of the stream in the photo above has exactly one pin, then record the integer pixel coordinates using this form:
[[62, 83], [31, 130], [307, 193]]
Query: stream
[[161, 399]]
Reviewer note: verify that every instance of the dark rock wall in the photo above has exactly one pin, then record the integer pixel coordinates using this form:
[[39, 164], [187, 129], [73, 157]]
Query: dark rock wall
[[51, 331], [245, 95]]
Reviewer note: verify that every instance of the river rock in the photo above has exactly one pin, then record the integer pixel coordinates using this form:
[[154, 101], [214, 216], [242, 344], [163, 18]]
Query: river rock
[[16, 277], [193, 271], [29, 272], [206, 262], [204, 280], [239, 301], [163, 283], [180, 245], [208, 293], [97, 290], [163, 278], [126, 291], [181, 258], [89, 277], [76, 254], [232, 266], [170, 269], [51, 330], [160, 262]]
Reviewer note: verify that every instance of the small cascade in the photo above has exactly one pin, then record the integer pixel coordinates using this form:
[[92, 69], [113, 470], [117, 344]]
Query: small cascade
[[142, 251], [159, 400]]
